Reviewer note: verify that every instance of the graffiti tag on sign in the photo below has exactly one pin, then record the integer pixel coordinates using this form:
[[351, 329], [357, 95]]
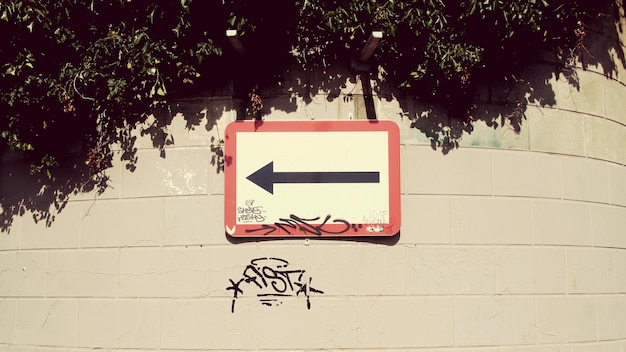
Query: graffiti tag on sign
[[271, 280], [250, 213], [305, 226]]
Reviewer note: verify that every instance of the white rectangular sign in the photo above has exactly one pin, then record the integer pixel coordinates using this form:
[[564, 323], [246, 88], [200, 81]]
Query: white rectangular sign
[[312, 178]]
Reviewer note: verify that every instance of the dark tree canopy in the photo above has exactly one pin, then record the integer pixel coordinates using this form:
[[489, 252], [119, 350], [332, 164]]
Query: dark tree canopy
[[76, 76]]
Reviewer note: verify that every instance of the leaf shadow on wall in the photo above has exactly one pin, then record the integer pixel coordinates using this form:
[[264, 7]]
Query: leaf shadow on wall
[[498, 98], [285, 88], [85, 168]]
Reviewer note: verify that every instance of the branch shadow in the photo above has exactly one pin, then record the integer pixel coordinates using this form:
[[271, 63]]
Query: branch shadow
[[256, 88], [498, 100], [45, 193], [44, 198]]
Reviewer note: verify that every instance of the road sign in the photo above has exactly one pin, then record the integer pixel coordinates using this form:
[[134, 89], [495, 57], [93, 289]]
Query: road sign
[[312, 178]]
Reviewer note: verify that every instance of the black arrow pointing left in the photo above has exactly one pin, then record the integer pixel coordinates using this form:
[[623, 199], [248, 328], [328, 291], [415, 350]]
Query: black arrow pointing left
[[265, 177]]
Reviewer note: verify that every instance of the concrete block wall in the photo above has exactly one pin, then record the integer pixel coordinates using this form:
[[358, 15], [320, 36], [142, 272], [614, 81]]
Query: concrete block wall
[[519, 247]]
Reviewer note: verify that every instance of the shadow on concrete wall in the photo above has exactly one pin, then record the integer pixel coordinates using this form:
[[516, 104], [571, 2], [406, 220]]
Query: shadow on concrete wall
[[254, 89], [498, 98], [84, 169], [20, 193]]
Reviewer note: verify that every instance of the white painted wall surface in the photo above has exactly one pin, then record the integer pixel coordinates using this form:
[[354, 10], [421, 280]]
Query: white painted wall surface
[[512, 242]]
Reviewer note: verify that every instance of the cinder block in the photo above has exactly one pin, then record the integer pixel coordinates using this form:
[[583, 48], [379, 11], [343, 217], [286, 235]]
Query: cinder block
[[192, 123], [611, 313], [535, 348], [10, 240], [82, 273], [501, 135], [590, 270], [489, 220], [623, 145], [46, 322], [390, 109], [64, 231], [14, 348], [23, 274], [216, 181], [605, 139], [608, 224], [526, 174], [499, 320], [7, 321], [585, 179], [620, 271], [350, 270], [114, 184], [425, 220], [291, 107], [597, 41], [119, 324], [320, 107], [330, 323], [564, 93], [566, 319], [616, 52], [214, 326], [464, 171], [403, 166], [143, 274], [180, 172], [405, 322], [144, 137], [588, 98], [197, 120], [561, 222], [450, 270], [122, 223], [602, 346], [617, 184], [615, 102], [530, 270], [411, 136], [557, 131], [194, 221], [333, 78], [171, 272]]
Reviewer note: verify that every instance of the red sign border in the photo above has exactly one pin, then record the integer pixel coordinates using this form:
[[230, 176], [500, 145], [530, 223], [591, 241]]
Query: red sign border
[[330, 227]]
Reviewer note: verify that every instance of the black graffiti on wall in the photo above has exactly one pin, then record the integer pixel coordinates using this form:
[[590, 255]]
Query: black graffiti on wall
[[272, 280], [306, 226]]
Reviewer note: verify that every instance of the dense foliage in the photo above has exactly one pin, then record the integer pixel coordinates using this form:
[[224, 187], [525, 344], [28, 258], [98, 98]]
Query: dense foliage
[[76, 76]]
